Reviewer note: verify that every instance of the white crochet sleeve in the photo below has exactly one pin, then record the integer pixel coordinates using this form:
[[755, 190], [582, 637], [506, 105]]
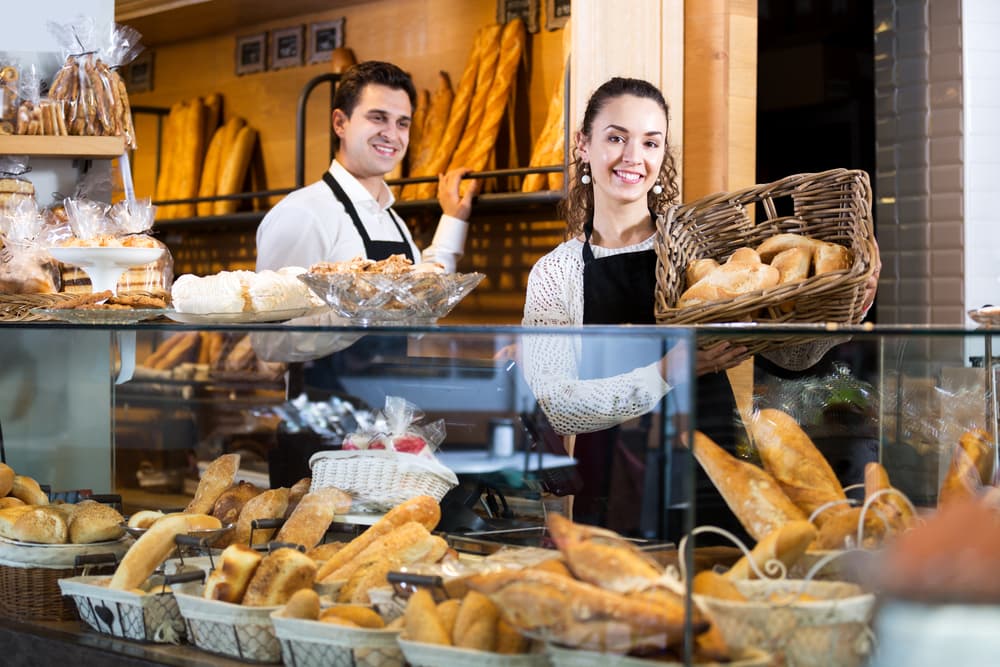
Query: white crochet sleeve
[[555, 298]]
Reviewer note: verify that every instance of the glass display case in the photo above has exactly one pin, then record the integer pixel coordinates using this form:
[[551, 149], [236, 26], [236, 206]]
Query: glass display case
[[591, 422]]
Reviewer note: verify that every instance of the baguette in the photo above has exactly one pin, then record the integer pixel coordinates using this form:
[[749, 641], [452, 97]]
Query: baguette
[[185, 349], [189, 157], [6, 479], [423, 509], [897, 511], [296, 493], [212, 117], [279, 576], [486, 74], [218, 476], [234, 170], [94, 522], [210, 171], [313, 516], [792, 458], [392, 545], [434, 126], [752, 494], [714, 585], [150, 550], [165, 179], [28, 490], [840, 530], [161, 350], [549, 139], [417, 127], [969, 470], [270, 504], [229, 580], [785, 545]]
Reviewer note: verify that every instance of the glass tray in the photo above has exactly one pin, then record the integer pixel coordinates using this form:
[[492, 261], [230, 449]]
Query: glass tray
[[244, 317], [100, 316]]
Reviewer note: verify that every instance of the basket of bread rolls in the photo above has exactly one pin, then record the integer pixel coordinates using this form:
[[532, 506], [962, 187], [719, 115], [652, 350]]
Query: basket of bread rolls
[[40, 543], [804, 257]]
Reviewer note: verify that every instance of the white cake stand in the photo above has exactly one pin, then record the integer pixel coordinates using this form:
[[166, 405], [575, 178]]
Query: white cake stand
[[105, 266]]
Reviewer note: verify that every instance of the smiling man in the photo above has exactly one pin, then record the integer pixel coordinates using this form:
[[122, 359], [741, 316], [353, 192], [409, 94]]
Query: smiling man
[[349, 211]]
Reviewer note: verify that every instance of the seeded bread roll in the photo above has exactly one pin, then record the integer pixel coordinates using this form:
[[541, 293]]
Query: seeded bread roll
[[42, 524], [94, 522]]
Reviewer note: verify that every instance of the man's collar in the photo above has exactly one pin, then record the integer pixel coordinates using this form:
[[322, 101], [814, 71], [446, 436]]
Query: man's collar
[[356, 192]]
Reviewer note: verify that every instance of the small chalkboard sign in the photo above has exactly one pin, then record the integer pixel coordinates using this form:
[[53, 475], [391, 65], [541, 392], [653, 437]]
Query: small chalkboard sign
[[526, 10]]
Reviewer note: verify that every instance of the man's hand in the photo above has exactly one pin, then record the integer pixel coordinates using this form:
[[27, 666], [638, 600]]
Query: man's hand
[[453, 201]]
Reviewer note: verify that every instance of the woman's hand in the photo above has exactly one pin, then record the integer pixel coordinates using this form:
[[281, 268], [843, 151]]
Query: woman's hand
[[453, 201], [718, 357]]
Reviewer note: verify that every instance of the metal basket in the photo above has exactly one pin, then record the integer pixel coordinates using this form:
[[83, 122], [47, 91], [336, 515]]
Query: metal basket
[[230, 629], [154, 617], [307, 643]]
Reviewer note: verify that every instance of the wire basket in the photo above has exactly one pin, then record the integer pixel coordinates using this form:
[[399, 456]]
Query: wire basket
[[567, 657], [381, 479], [830, 630], [230, 629], [316, 644], [153, 617], [832, 206], [420, 654]]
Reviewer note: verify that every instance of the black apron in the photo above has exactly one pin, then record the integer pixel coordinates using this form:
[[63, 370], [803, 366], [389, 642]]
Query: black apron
[[620, 485], [376, 250]]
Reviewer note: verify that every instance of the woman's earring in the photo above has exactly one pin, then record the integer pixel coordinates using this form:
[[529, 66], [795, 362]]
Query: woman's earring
[[585, 178], [657, 188]]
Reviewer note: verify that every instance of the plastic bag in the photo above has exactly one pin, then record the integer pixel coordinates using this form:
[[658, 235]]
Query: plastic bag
[[96, 102], [25, 265], [14, 187], [396, 428], [9, 76]]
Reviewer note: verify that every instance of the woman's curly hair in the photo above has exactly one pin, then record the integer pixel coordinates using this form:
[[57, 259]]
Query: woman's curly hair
[[578, 207]]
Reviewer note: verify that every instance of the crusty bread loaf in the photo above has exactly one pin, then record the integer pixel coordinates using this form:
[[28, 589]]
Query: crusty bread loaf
[[785, 544], [42, 524], [829, 257], [218, 476], [27, 489], [423, 509], [698, 269], [792, 264], [313, 516], [391, 545], [781, 242], [296, 492], [229, 580], [94, 522], [229, 504], [421, 621], [969, 469], [270, 504], [10, 501], [752, 494], [150, 550], [144, 518], [6, 479], [417, 124], [278, 577], [476, 623], [793, 460], [210, 171], [742, 273]]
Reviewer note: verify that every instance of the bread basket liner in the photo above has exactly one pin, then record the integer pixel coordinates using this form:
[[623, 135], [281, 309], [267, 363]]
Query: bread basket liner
[[229, 629], [568, 657], [420, 654], [831, 631], [56, 556], [394, 476], [306, 643], [154, 617]]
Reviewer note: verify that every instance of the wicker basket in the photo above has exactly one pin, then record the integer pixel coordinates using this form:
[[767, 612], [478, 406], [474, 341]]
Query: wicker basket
[[832, 206], [229, 629], [153, 617], [379, 479], [831, 631], [30, 574], [316, 644], [17, 307]]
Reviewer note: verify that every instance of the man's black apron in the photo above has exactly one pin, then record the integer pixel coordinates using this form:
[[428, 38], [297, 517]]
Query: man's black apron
[[619, 289]]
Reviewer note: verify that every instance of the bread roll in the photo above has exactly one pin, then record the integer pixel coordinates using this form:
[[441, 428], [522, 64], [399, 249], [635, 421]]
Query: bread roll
[[278, 577], [476, 623], [95, 522], [829, 257], [421, 620], [229, 580], [155, 545], [712, 584], [698, 269], [27, 489], [732, 279], [422, 509], [144, 518], [970, 467], [752, 494], [311, 519], [361, 616], [42, 524], [6, 479], [268, 505], [304, 604], [218, 476], [792, 264], [786, 545], [793, 460], [447, 612], [781, 242], [10, 501], [509, 640], [228, 506]]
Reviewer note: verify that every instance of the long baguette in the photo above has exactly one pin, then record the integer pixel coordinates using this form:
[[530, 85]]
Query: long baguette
[[548, 139], [210, 171], [792, 458], [487, 74], [165, 179], [417, 126], [422, 509], [969, 468], [752, 494], [154, 546], [434, 125], [389, 545], [234, 169], [190, 157]]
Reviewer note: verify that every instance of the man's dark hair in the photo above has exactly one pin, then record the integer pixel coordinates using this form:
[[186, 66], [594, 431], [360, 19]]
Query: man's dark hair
[[352, 83]]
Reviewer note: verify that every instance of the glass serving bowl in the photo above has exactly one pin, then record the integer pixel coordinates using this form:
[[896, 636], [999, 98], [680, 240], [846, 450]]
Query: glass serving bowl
[[381, 298]]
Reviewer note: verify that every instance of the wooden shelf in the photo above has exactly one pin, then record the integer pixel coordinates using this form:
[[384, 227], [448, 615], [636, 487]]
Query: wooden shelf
[[62, 147]]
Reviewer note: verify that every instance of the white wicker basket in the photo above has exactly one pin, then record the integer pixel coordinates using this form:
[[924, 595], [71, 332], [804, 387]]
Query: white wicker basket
[[230, 629], [317, 644], [419, 654], [831, 631], [381, 479], [567, 657], [153, 617]]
